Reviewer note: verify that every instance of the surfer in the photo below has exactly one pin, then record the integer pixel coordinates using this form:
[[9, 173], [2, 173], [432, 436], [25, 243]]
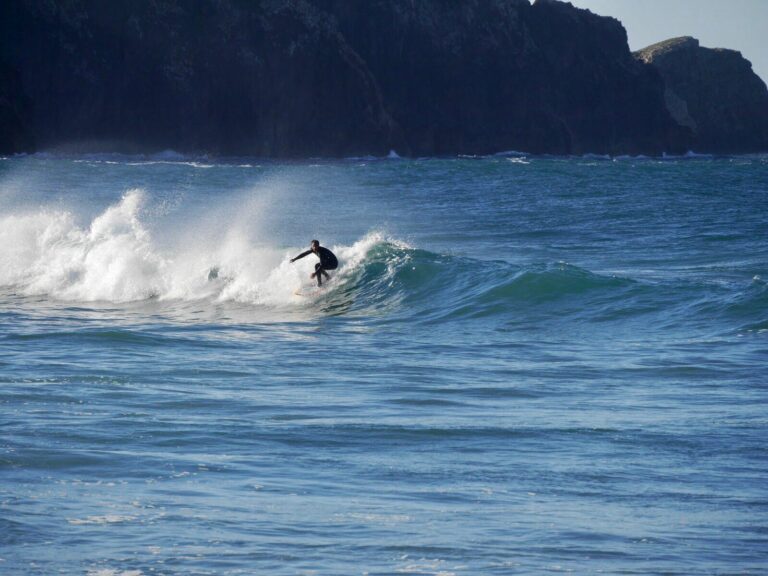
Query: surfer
[[328, 261]]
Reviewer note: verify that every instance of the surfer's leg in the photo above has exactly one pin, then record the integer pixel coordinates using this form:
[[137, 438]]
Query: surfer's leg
[[319, 273]]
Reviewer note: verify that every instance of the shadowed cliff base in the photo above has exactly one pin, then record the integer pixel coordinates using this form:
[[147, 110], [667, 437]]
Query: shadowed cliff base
[[330, 78]]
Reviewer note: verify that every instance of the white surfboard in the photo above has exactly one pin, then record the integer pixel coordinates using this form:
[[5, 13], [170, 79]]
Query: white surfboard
[[312, 289]]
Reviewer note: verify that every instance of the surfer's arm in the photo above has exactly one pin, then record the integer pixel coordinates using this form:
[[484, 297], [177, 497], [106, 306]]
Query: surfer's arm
[[300, 256]]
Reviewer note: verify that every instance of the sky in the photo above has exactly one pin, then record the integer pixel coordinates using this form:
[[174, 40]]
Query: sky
[[737, 24]]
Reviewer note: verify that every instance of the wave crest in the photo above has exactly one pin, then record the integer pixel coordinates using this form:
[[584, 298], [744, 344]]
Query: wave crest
[[116, 259]]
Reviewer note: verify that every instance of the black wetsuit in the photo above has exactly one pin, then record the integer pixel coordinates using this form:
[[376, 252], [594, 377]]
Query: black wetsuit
[[328, 261]]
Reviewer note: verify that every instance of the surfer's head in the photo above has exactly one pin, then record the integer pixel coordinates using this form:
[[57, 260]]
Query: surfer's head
[[314, 245]]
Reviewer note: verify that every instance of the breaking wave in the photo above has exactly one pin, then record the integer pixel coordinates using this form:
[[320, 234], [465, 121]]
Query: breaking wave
[[116, 258]]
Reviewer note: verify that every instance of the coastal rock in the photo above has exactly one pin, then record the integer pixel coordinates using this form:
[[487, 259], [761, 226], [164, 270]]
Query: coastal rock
[[481, 76], [15, 136], [301, 78], [713, 91], [220, 77]]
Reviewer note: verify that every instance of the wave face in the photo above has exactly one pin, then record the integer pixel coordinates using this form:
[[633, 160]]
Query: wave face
[[114, 258], [516, 355]]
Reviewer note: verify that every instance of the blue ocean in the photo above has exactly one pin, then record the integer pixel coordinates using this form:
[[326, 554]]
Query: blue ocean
[[523, 365]]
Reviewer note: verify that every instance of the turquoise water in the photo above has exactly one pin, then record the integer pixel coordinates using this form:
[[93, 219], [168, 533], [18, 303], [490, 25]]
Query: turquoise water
[[524, 365]]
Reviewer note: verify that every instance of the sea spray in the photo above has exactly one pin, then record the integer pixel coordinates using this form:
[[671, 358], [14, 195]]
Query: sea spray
[[115, 259]]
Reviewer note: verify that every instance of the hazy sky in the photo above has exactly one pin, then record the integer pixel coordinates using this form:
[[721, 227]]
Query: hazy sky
[[738, 24]]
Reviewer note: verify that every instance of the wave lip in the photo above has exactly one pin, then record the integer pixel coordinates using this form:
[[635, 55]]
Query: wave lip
[[418, 285]]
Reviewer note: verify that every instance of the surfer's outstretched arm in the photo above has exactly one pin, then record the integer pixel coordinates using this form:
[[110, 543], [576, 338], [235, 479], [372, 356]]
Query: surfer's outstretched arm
[[300, 256]]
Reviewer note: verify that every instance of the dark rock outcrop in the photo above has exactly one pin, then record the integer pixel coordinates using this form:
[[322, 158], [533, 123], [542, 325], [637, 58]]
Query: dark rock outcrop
[[226, 77], [481, 76], [714, 92], [298, 78], [15, 135]]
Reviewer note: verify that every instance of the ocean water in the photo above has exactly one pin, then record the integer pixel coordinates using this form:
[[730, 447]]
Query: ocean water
[[524, 365]]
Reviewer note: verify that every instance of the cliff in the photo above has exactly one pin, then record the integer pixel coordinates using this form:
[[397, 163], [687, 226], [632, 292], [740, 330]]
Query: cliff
[[225, 77], [714, 92], [15, 135], [481, 76], [298, 78]]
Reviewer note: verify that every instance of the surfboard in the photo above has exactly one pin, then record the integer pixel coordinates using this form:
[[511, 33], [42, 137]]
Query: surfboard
[[312, 289], [308, 291]]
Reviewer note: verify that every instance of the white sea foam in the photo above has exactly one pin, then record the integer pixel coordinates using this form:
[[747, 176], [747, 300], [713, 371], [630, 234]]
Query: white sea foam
[[630, 157], [367, 158], [391, 155], [113, 572], [510, 153], [163, 157], [115, 257], [689, 154], [108, 519]]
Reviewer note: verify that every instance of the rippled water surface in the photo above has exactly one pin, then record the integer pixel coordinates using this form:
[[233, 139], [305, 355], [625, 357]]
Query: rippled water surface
[[523, 365]]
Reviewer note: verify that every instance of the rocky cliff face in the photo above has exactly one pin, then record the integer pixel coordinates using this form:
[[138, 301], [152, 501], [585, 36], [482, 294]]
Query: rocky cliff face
[[226, 77], [486, 75], [15, 135], [298, 78], [714, 92]]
